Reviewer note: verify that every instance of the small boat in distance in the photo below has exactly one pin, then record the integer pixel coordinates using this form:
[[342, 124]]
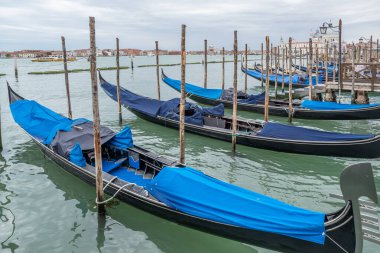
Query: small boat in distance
[[181, 194], [53, 58], [211, 122]]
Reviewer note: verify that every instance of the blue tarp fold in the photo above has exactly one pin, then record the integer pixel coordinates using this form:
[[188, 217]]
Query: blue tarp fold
[[281, 131], [318, 105], [123, 139], [195, 193], [76, 156], [193, 89]]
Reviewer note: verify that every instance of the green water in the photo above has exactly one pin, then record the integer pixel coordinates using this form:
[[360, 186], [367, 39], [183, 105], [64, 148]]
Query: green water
[[45, 209]]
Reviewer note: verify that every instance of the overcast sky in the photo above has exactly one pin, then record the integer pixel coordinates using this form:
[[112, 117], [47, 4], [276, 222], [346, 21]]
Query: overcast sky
[[38, 24]]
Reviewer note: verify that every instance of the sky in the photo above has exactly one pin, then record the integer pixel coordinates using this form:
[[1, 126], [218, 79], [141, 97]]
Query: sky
[[39, 24]]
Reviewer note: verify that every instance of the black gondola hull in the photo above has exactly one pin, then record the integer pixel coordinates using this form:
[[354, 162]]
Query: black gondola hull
[[359, 149], [358, 114], [258, 238]]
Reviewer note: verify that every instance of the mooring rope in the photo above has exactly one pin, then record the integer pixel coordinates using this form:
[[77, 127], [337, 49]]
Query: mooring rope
[[111, 198]]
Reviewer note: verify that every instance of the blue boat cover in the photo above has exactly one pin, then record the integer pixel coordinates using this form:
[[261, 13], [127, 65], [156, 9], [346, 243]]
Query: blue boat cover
[[253, 99], [296, 80], [122, 140], [76, 156], [192, 192], [168, 109], [318, 105], [58, 131], [281, 131], [39, 121], [193, 89]]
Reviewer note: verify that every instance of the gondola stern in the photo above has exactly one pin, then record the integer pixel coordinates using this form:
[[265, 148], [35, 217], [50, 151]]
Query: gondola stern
[[357, 181]]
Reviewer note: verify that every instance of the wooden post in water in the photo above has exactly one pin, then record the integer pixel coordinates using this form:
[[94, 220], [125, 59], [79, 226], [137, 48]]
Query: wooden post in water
[[96, 118], [271, 58], [370, 49], [158, 71], [290, 112], [16, 70], [266, 104], [310, 71], [286, 57], [300, 63], [276, 60], [131, 62], [223, 70], [377, 51], [1, 140], [246, 68], [183, 97], [282, 72], [234, 107], [118, 80], [262, 65], [205, 74], [353, 75], [295, 60], [317, 65], [327, 63], [69, 113]]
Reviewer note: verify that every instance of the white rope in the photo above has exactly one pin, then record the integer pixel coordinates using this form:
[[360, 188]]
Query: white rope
[[109, 199], [336, 244]]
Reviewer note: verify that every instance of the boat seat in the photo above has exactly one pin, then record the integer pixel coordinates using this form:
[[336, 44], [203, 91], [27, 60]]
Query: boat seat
[[109, 165], [214, 122]]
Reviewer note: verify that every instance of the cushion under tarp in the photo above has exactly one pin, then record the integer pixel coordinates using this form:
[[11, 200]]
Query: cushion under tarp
[[195, 193], [282, 131]]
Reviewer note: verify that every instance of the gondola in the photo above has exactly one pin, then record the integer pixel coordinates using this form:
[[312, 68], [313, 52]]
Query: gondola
[[184, 195], [298, 80], [211, 122], [306, 109]]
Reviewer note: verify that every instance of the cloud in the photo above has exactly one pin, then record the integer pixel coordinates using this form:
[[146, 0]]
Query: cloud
[[40, 23]]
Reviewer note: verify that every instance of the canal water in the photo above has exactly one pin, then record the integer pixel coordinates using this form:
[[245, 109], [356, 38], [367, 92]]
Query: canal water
[[45, 209]]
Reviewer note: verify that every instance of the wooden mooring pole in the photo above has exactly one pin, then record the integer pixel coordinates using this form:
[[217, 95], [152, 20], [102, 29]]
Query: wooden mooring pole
[[69, 113], [118, 80], [370, 49], [234, 107], [276, 56], [317, 64], [16, 70], [1, 139], [205, 66], [266, 104], [310, 71], [377, 50], [158, 71], [262, 65], [290, 112], [96, 118], [282, 72], [353, 74], [183, 97], [271, 58], [246, 68], [223, 70]]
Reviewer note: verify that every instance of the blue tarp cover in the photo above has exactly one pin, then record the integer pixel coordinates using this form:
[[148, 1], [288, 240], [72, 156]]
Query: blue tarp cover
[[296, 80], [193, 89], [276, 130], [253, 99], [168, 109], [40, 121], [195, 193], [318, 105], [43, 124], [76, 156], [123, 139]]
